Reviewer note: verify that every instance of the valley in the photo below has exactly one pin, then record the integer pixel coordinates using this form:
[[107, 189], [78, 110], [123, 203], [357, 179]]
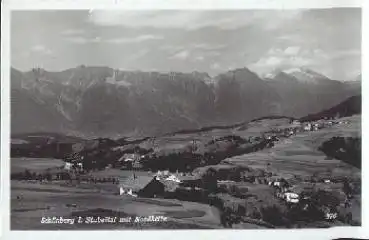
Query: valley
[[227, 171]]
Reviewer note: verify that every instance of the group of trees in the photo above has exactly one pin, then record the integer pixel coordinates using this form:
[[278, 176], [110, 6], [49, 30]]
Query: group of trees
[[346, 149], [27, 175], [185, 160], [312, 209], [47, 176]]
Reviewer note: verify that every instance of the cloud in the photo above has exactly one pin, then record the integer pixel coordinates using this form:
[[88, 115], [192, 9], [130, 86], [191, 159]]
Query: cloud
[[139, 54], [83, 40], [347, 53], [292, 51], [171, 48], [191, 19], [182, 55], [199, 58], [215, 66], [137, 39], [293, 56], [41, 49], [207, 46], [70, 32]]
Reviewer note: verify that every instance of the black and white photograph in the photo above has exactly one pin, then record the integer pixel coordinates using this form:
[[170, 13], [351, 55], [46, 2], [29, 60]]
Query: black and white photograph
[[166, 119]]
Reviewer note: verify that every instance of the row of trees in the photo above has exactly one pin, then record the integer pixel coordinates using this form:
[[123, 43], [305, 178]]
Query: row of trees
[[47, 176], [28, 175]]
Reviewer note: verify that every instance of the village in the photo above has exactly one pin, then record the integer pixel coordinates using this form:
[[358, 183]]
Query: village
[[204, 181]]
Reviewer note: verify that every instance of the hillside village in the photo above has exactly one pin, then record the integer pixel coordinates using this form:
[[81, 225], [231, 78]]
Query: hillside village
[[202, 171]]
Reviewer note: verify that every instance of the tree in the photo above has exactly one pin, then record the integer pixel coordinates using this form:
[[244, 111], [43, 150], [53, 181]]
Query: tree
[[27, 175], [209, 180], [273, 215], [346, 187], [48, 176]]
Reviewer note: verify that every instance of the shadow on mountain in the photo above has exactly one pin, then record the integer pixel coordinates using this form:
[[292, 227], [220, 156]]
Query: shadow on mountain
[[347, 108]]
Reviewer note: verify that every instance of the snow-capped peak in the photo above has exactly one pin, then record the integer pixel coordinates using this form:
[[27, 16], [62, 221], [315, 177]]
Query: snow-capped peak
[[305, 75], [297, 74], [292, 70]]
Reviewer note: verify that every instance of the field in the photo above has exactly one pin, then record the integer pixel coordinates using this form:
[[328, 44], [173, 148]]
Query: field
[[299, 154], [32, 201], [34, 164]]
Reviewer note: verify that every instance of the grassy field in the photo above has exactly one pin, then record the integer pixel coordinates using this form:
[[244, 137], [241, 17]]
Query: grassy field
[[34, 164], [299, 154], [28, 206]]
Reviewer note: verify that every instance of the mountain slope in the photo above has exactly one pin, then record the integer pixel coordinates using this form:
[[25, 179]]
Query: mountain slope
[[103, 102], [347, 108], [303, 91]]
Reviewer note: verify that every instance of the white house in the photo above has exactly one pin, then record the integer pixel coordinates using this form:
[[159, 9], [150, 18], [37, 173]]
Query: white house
[[121, 191], [173, 178], [277, 184], [291, 197], [129, 192], [307, 127], [68, 166], [80, 165]]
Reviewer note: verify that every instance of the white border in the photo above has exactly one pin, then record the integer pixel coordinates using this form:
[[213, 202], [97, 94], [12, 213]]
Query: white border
[[8, 5]]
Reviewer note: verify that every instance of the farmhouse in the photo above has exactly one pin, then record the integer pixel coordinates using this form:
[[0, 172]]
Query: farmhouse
[[307, 127], [173, 178], [291, 197], [142, 186], [191, 182], [130, 161], [68, 166]]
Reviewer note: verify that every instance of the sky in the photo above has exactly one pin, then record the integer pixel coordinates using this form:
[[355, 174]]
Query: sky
[[213, 41]]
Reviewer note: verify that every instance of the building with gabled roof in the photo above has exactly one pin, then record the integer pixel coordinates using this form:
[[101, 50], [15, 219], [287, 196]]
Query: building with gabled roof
[[142, 186]]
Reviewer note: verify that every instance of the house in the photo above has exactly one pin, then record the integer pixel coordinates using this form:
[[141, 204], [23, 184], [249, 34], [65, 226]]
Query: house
[[130, 161], [80, 166], [130, 157], [137, 165], [307, 127], [191, 182], [291, 197], [142, 186], [327, 181], [121, 191], [173, 178], [316, 126], [68, 166], [280, 183]]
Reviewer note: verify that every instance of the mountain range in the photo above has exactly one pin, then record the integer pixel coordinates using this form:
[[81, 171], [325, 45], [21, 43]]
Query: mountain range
[[104, 102]]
